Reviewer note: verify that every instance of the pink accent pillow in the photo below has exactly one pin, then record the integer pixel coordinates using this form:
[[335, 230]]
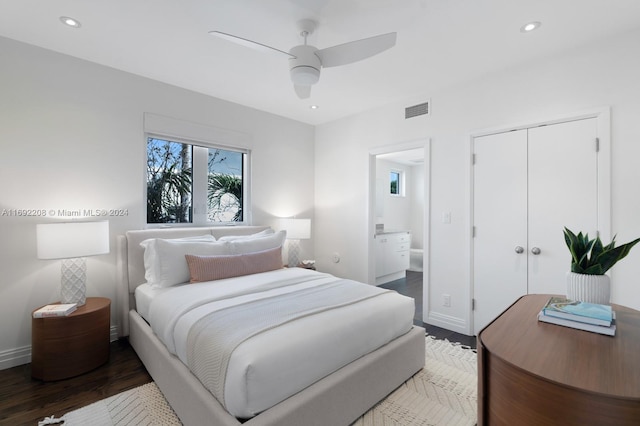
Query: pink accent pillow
[[210, 268]]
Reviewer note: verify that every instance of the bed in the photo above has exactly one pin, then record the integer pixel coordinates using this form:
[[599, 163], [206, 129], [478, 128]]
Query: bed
[[338, 398]]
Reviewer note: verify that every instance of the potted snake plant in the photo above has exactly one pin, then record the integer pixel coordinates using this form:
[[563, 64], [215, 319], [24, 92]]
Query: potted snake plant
[[590, 260]]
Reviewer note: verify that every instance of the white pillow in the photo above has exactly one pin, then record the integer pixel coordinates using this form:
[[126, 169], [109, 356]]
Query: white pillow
[[150, 257], [164, 261], [244, 237], [149, 245], [252, 245]]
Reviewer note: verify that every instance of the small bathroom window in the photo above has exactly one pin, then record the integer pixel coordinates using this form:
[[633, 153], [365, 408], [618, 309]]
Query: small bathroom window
[[396, 183]]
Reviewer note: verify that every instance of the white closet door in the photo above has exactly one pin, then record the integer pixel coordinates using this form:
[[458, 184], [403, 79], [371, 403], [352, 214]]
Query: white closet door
[[500, 221], [528, 185], [563, 178]]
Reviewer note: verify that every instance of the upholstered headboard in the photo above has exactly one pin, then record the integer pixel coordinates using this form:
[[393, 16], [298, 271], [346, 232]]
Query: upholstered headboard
[[130, 261]]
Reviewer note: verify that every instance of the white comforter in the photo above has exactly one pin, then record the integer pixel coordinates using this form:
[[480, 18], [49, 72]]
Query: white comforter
[[278, 362]]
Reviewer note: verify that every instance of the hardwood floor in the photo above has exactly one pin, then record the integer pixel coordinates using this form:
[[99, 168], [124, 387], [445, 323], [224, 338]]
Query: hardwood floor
[[25, 401], [412, 286]]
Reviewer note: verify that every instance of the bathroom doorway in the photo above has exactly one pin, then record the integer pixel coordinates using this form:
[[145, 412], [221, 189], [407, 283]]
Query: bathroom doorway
[[399, 209]]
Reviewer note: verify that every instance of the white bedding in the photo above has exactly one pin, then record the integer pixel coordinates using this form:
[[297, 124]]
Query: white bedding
[[144, 294], [279, 362]]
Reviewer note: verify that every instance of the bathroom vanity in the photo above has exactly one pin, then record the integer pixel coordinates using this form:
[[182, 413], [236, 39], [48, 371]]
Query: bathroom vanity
[[392, 255]]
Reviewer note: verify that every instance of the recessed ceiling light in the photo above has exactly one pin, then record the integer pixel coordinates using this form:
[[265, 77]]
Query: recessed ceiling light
[[70, 22], [530, 27], [314, 107]]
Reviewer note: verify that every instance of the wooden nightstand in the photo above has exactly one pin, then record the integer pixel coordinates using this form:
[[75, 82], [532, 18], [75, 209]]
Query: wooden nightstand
[[534, 373], [63, 347]]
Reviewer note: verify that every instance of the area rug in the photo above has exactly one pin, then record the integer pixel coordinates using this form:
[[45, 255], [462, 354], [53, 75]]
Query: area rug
[[141, 406], [442, 393]]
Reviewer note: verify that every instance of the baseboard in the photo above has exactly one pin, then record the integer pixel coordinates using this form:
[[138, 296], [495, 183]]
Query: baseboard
[[445, 321], [113, 333], [14, 357], [19, 356]]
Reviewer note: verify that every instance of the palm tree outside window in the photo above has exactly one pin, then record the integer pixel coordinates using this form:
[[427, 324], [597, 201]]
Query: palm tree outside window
[[173, 171]]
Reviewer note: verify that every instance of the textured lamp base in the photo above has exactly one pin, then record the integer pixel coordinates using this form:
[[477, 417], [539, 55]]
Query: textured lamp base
[[294, 253], [74, 277]]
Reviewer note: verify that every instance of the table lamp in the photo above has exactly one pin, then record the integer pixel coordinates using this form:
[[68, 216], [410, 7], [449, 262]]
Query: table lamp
[[297, 229], [72, 242]]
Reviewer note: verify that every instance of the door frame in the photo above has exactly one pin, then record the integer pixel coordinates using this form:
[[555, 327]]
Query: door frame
[[603, 116], [424, 143]]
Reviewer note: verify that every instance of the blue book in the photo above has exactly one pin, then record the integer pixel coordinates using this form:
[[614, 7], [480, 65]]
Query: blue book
[[600, 329], [589, 313]]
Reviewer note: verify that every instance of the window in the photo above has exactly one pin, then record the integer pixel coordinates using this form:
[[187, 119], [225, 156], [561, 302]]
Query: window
[[169, 182], [224, 185], [188, 183], [395, 179]]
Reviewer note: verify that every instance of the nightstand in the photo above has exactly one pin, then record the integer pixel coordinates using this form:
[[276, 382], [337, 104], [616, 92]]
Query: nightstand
[[312, 267], [308, 264], [63, 347]]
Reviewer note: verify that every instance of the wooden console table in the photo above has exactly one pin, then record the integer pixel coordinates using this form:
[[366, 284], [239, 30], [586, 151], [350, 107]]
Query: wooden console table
[[534, 373]]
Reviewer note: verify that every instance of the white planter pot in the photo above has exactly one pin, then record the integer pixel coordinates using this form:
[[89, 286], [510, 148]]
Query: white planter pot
[[589, 288]]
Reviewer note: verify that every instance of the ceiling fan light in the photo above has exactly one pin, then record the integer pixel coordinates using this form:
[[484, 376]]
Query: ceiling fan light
[[305, 75]]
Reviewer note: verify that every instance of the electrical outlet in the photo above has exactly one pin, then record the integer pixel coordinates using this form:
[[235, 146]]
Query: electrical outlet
[[446, 300]]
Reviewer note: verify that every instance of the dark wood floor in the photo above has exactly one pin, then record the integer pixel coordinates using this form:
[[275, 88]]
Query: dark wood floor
[[25, 401], [412, 286]]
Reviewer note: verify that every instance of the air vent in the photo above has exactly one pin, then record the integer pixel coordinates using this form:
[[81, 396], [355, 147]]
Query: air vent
[[416, 110]]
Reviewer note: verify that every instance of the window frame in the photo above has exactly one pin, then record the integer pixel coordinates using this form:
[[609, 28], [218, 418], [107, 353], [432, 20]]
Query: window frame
[[199, 164], [401, 184]]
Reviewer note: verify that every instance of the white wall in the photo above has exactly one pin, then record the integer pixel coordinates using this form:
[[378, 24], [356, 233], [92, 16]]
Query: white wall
[[416, 218], [403, 213], [71, 137], [396, 209], [601, 74]]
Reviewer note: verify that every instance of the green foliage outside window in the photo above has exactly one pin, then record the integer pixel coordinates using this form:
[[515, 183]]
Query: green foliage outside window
[[394, 179], [224, 186], [170, 183]]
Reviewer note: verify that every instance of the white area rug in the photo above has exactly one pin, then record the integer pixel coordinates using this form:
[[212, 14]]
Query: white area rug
[[443, 393], [141, 406]]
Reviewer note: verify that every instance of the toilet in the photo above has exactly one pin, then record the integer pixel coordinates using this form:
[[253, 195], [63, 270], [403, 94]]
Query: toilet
[[415, 260]]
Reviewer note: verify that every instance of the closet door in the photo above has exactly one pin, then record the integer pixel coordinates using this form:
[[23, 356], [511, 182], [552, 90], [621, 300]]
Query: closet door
[[528, 185], [563, 179], [500, 223]]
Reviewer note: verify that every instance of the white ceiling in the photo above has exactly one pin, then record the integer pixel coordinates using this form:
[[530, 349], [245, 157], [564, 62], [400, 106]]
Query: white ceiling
[[410, 157], [440, 43]]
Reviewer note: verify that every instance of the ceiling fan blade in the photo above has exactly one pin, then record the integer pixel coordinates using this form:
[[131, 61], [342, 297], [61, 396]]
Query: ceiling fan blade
[[303, 92], [354, 51], [248, 43]]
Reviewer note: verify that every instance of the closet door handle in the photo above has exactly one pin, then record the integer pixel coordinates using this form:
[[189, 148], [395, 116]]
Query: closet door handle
[[535, 251], [519, 249]]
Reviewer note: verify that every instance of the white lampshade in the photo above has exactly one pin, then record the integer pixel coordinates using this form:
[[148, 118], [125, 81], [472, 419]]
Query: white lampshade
[[72, 239], [72, 242], [297, 229]]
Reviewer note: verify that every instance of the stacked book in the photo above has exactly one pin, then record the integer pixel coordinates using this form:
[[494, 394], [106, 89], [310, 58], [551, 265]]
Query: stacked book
[[57, 310], [580, 315]]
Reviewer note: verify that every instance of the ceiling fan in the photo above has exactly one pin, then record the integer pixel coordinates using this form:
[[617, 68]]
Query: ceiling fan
[[306, 61]]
